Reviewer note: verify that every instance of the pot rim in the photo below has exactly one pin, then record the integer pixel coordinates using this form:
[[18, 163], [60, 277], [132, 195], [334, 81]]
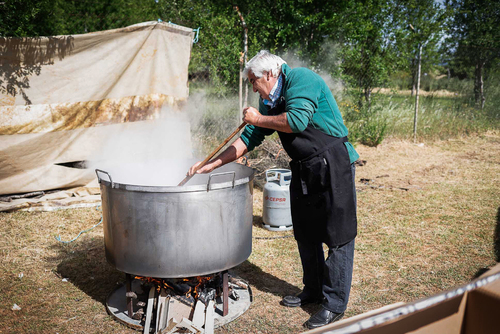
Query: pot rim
[[206, 187], [176, 189]]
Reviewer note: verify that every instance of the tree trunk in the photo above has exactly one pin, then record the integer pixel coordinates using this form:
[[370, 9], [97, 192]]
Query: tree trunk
[[413, 76], [243, 62], [479, 85], [361, 93], [477, 94], [240, 90], [245, 49], [360, 75], [368, 95]]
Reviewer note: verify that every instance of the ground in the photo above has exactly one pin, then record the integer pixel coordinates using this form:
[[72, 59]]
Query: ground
[[428, 221]]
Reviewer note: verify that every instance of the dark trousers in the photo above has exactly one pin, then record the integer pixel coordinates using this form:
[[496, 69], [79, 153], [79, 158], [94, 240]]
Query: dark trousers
[[332, 276]]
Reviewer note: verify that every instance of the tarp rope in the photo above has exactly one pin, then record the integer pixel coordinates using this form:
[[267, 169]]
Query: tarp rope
[[58, 238], [195, 40]]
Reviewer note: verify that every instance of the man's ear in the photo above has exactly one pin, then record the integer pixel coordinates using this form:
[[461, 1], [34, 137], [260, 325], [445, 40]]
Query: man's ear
[[268, 75]]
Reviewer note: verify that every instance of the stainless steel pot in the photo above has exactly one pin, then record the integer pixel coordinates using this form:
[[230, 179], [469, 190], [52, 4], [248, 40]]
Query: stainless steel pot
[[166, 232]]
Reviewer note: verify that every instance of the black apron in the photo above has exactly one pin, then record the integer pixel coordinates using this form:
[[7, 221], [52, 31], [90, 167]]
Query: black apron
[[322, 199]]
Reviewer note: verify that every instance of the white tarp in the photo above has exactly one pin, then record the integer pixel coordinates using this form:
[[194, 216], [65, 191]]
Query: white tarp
[[59, 95]]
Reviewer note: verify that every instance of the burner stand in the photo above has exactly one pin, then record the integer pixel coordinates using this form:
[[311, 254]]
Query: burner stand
[[117, 305]]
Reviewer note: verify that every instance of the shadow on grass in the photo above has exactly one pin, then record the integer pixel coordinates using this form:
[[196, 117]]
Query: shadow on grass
[[84, 265], [269, 284], [257, 221], [265, 281], [496, 245]]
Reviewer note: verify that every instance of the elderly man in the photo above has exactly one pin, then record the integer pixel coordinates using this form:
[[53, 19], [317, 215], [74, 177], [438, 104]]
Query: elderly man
[[298, 104]]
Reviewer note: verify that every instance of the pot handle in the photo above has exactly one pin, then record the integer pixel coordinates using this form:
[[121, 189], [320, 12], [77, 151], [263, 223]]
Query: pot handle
[[97, 171], [220, 174]]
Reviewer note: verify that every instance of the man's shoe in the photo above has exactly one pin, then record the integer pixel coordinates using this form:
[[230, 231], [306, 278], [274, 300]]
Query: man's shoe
[[323, 317], [302, 298]]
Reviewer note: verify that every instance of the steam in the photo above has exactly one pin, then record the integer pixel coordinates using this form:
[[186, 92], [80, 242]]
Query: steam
[[155, 152], [330, 61], [195, 107]]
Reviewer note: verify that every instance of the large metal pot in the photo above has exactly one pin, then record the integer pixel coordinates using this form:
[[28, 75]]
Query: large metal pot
[[169, 231]]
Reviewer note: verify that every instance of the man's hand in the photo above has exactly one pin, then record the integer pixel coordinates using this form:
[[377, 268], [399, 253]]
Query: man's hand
[[209, 166], [279, 122], [251, 116], [233, 152]]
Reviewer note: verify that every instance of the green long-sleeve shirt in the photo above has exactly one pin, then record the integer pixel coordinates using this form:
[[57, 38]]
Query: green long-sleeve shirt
[[308, 101]]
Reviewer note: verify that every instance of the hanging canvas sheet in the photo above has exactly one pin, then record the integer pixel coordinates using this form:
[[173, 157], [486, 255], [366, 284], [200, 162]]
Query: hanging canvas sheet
[[60, 95]]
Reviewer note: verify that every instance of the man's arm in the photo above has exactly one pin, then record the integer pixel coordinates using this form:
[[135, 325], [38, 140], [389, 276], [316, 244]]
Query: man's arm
[[254, 117], [233, 152]]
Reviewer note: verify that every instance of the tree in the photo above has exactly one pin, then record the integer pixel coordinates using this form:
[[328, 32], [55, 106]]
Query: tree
[[368, 45], [23, 18], [420, 23], [30, 18], [216, 55], [474, 40]]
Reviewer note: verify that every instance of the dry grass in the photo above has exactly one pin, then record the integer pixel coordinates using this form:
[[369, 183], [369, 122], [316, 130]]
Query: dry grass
[[438, 93], [427, 222]]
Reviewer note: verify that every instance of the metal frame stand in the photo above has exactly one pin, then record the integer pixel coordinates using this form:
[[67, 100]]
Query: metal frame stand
[[225, 293], [130, 305]]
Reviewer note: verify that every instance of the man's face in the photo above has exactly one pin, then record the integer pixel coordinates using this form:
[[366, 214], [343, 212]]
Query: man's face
[[262, 85]]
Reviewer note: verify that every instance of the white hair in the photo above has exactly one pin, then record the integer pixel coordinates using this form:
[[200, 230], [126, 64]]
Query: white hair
[[262, 62]]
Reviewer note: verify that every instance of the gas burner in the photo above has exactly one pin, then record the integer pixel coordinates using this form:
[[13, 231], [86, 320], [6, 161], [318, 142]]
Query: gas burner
[[195, 304]]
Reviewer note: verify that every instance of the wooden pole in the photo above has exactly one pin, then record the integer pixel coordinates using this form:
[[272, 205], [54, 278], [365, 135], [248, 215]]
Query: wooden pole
[[240, 91], [187, 178], [243, 61], [415, 118], [245, 56]]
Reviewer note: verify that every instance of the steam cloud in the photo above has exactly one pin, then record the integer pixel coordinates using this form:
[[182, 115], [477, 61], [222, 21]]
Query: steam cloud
[[151, 153], [330, 60]]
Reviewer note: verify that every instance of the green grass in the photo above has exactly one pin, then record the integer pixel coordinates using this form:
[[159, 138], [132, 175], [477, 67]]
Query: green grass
[[438, 117]]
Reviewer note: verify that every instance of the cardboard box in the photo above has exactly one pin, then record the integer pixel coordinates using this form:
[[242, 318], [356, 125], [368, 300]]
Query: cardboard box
[[471, 308]]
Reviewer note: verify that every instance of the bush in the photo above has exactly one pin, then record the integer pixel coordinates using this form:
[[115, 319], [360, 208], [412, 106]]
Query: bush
[[364, 124]]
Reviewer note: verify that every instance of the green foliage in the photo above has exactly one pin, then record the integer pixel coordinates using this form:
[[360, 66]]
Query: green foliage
[[216, 55], [419, 22], [365, 44], [474, 40], [28, 18], [492, 92], [365, 127], [78, 17], [22, 18], [474, 31], [368, 54]]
